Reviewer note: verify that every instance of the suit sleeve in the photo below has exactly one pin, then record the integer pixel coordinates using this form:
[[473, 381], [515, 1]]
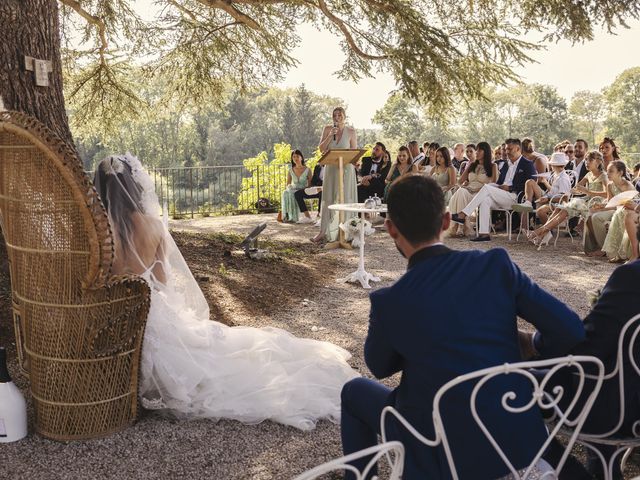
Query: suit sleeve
[[362, 167], [617, 304], [379, 354], [559, 327]]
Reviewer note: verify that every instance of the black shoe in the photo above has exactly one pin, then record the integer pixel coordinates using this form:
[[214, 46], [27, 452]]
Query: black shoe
[[456, 218], [481, 238]]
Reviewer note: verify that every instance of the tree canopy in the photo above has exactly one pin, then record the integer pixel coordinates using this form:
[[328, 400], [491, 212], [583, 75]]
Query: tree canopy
[[438, 51], [535, 110]]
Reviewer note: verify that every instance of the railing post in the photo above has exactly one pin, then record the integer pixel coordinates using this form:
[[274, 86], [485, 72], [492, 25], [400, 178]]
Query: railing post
[[191, 190], [258, 184]]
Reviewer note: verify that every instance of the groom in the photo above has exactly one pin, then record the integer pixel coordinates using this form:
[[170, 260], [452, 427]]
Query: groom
[[420, 328]]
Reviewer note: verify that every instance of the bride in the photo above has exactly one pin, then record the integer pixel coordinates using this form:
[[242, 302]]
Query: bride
[[194, 367]]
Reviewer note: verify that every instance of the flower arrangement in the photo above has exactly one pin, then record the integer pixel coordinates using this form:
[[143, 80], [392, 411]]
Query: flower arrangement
[[351, 228]]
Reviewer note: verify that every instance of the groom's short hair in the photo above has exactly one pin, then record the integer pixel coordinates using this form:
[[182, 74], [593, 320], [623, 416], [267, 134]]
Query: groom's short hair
[[415, 205]]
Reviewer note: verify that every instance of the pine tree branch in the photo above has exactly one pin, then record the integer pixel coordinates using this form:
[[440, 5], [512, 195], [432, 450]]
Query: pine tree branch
[[96, 21], [227, 6], [342, 26], [183, 9]]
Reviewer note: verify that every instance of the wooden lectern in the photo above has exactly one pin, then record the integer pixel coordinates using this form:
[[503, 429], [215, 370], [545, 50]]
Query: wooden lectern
[[340, 157]]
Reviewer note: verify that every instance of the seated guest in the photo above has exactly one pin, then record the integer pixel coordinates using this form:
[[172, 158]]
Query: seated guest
[[469, 156], [592, 186], [595, 230], [425, 148], [444, 173], [417, 157], [618, 303], [508, 191], [570, 152], [578, 165], [373, 172], [631, 225], [579, 168], [298, 178], [431, 341], [621, 243], [556, 188], [458, 156], [636, 175], [609, 151], [616, 243], [557, 185], [401, 167], [540, 161], [301, 195], [430, 160], [480, 172]]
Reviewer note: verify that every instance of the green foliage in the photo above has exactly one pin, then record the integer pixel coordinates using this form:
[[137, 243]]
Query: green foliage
[[536, 111], [586, 112], [268, 178], [623, 97], [174, 134]]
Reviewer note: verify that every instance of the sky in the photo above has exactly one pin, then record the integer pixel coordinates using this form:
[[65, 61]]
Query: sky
[[588, 66]]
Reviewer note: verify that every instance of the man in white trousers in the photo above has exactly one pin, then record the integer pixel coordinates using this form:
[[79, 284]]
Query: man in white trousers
[[503, 194]]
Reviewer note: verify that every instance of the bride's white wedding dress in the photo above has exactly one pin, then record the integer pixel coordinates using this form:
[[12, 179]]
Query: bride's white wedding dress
[[194, 367]]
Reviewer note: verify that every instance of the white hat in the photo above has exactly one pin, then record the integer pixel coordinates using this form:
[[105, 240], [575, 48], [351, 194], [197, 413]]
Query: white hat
[[558, 159]]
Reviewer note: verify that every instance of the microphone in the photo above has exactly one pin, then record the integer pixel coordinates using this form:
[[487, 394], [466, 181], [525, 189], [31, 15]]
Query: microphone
[[335, 125]]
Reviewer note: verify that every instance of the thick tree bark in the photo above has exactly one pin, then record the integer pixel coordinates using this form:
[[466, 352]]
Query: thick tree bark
[[31, 28]]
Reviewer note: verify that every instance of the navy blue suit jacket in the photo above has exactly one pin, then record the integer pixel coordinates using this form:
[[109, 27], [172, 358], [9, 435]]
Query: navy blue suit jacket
[[524, 171], [420, 326], [619, 301]]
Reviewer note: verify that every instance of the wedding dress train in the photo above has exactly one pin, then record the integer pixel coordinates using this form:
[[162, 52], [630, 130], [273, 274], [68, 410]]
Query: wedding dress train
[[194, 367]]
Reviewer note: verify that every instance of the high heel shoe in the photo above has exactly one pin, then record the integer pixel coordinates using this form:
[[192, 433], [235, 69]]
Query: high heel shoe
[[545, 240], [533, 237]]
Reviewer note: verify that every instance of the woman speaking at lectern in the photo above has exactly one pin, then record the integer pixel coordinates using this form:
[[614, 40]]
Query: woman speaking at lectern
[[336, 136]]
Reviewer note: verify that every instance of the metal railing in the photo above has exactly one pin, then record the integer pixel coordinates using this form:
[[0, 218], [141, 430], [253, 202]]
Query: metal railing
[[190, 191], [233, 189]]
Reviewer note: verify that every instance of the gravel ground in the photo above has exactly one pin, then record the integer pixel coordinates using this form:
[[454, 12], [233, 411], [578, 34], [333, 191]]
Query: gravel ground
[[157, 447]]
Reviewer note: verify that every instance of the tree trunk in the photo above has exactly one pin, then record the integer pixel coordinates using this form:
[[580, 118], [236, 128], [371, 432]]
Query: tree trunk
[[31, 28]]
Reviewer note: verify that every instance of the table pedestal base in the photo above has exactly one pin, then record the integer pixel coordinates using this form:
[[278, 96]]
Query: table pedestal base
[[361, 276]]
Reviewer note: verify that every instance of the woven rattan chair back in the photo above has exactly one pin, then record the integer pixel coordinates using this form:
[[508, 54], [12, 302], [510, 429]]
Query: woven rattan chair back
[[78, 330]]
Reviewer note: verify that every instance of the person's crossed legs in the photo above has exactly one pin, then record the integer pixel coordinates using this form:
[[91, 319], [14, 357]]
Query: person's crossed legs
[[487, 198]]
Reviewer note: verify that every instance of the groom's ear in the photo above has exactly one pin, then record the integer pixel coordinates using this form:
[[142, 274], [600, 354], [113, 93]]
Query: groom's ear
[[392, 230]]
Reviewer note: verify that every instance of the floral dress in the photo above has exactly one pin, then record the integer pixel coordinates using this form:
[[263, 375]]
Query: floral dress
[[579, 207], [290, 209]]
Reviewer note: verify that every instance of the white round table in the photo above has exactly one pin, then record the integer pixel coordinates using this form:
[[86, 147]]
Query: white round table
[[360, 275]]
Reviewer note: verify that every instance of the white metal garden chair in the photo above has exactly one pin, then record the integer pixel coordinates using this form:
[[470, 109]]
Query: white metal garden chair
[[572, 416], [626, 343], [392, 452]]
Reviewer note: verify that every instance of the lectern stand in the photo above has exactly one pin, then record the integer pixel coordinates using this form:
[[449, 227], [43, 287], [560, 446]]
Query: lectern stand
[[340, 158]]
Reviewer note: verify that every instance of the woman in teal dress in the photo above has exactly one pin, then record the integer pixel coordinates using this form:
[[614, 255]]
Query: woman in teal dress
[[299, 177], [444, 173], [403, 166]]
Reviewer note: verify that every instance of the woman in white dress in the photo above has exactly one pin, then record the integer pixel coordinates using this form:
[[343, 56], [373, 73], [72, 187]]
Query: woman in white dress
[[336, 136], [478, 173], [192, 366]]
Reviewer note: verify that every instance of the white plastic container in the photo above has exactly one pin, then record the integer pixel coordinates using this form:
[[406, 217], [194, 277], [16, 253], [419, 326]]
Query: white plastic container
[[13, 408]]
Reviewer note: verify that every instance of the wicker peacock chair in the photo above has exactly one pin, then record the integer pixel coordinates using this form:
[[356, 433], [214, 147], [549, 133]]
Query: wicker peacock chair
[[78, 329]]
